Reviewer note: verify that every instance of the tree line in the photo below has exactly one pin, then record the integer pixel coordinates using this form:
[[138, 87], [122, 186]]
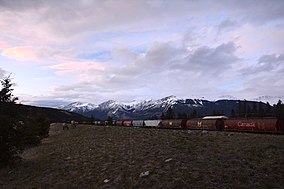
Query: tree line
[[243, 109], [258, 109]]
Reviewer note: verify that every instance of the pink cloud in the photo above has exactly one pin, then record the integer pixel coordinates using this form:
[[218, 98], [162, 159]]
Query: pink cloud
[[21, 53], [78, 69], [3, 45]]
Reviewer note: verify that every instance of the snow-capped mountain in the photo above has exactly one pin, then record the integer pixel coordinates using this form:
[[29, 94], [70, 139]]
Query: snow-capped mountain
[[139, 110], [155, 108], [79, 107]]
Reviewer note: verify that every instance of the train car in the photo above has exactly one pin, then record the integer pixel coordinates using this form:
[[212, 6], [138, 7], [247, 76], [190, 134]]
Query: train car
[[119, 123], [194, 124], [138, 123], [95, 122], [152, 123], [257, 125], [207, 123], [173, 123], [127, 123]]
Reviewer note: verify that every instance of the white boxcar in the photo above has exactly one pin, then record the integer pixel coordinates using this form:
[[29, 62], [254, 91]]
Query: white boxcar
[[152, 123], [138, 123]]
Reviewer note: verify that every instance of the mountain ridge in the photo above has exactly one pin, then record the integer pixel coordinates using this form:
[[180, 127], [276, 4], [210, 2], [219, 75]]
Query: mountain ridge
[[155, 108]]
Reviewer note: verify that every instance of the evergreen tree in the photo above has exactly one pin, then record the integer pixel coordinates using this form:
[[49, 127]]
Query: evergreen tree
[[254, 111], [233, 113], [16, 134], [194, 114], [242, 109], [261, 112], [10, 137], [268, 110], [245, 111], [170, 113], [109, 120], [92, 119], [6, 92], [182, 115], [153, 117], [163, 116], [249, 114], [279, 110]]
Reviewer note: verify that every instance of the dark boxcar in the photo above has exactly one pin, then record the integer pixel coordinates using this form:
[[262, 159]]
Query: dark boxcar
[[265, 125], [138, 123], [194, 124], [173, 123], [205, 124], [127, 123], [119, 123]]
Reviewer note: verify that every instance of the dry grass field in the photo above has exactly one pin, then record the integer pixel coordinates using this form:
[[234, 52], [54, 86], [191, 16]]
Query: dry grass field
[[117, 157]]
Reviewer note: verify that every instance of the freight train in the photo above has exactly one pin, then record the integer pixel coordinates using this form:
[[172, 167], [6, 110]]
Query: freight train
[[214, 123]]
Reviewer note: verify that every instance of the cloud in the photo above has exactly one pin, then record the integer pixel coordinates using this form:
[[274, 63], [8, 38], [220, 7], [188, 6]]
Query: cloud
[[266, 64], [80, 69], [20, 53], [2, 73], [100, 50], [227, 25], [38, 54], [148, 73], [259, 85]]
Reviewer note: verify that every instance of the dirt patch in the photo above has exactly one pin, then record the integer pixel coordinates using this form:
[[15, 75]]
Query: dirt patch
[[118, 157]]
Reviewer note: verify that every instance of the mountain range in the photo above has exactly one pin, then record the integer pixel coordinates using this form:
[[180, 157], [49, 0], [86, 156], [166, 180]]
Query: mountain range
[[148, 109]]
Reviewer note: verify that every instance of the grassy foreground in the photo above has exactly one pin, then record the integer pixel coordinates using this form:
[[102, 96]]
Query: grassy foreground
[[117, 157]]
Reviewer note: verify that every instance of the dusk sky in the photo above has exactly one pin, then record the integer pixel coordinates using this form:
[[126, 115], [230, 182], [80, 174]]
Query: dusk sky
[[95, 50]]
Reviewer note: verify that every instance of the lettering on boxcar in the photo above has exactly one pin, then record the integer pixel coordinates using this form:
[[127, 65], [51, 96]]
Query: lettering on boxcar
[[199, 124], [246, 124]]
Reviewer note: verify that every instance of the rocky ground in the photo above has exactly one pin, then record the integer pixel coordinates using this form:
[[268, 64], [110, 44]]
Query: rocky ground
[[118, 157]]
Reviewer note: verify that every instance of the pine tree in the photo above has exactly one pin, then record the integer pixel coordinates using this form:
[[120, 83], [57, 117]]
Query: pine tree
[[92, 119], [194, 114], [170, 113], [254, 110], [249, 114], [233, 113], [261, 112], [279, 110], [268, 110], [109, 120], [10, 137], [6, 92], [163, 116]]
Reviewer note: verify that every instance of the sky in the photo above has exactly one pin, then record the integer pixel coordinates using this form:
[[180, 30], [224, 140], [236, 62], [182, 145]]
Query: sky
[[59, 52]]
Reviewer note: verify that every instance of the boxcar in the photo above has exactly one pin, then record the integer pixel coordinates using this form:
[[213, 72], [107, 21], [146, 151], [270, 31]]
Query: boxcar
[[127, 123], [206, 124], [194, 124], [173, 123], [119, 123], [262, 125], [152, 123], [138, 123]]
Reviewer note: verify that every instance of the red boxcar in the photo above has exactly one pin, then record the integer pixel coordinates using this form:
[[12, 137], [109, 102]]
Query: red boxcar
[[173, 123], [262, 125], [127, 123], [205, 124]]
